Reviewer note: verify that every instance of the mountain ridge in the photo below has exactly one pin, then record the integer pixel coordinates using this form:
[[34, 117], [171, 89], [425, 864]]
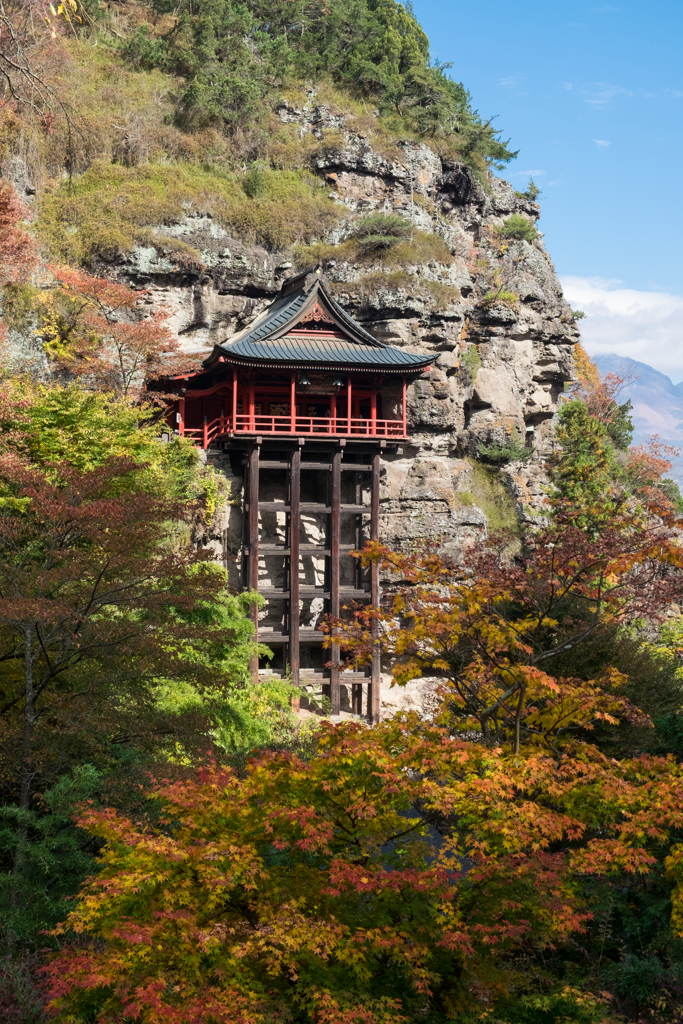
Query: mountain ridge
[[657, 403]]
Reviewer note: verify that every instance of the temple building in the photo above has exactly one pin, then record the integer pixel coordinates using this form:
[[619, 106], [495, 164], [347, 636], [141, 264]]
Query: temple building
[[303, 401]]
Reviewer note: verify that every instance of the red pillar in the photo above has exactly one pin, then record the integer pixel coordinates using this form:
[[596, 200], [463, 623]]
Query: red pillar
[[181, 415], [349, 407], [252, 408], [333, 414], [292, 403], [373, 412], [234, 399], [405, 410]]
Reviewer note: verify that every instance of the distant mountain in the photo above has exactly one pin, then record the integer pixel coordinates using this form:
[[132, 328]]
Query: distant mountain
[[657, 403]]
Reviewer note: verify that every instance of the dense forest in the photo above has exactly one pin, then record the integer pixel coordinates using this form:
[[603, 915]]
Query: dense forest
[[177, 844]]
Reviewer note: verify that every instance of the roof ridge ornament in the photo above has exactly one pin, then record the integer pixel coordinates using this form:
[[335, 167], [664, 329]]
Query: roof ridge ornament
[[316, 314]]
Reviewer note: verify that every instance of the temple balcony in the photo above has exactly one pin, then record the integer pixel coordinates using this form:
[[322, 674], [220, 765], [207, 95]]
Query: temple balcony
[[225, 427]]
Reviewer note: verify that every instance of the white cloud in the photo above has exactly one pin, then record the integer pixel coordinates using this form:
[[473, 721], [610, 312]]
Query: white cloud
[[602, 143], [647, 326], [512, 81], [600, 94], [527, 174]]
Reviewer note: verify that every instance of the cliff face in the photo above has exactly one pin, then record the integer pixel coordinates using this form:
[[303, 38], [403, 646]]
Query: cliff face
[[493, 311]]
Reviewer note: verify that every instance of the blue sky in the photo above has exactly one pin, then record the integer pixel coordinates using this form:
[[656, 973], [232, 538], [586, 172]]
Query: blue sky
[[592, 96]]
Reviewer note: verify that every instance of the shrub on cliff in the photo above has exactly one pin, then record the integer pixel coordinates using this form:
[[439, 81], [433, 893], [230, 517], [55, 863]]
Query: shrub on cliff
[[381, 231], [499, 452], [519, 227]]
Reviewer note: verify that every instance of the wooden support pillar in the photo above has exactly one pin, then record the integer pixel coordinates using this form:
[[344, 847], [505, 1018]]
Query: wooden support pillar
[[253, 543], [252, 408], [234, 399], [373, 412], [349, 406], [294, 527], [405, 409], [181, 417], [374, 688], [357, 688], [335, 534], [292, 403], [333, 414]]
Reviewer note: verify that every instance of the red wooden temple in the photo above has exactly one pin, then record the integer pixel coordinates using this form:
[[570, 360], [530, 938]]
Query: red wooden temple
[[304, 400]]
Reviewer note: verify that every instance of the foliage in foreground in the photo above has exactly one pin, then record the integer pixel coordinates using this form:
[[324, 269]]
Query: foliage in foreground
[[393, 874], [404, 871], [121, 647]]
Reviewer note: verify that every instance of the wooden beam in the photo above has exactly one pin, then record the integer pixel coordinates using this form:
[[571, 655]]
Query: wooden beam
[[277, 550], [374, 688], [253, 542], [294, 527], [355, 467], [335, 536]]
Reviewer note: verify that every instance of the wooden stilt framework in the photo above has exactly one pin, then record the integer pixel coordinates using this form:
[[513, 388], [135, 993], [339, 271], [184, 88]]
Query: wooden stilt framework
[[338, 462], [292, 617], [253, 540]]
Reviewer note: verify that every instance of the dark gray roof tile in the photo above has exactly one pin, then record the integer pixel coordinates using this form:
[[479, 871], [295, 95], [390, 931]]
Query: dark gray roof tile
[[272, 338]]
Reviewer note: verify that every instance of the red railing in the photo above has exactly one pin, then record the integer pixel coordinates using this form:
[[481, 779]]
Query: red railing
[[338, 426]]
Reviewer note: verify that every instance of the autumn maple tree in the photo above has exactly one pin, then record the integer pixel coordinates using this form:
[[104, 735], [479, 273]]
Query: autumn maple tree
[[97, 608], [401, 870], [102, 331], [493, 631], [395, 873], [18, 251]]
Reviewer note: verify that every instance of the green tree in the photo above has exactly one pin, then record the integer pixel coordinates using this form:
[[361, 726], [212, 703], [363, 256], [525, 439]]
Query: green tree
[[583, 468], [381, 231], [620, 425], [531, 192], [519, 227], [234, 56]]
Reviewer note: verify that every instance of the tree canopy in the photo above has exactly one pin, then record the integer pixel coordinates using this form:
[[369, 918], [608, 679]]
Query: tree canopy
[[235, 56]]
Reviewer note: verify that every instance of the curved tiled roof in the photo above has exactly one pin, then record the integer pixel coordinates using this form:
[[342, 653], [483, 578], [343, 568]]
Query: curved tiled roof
[[273, 338]]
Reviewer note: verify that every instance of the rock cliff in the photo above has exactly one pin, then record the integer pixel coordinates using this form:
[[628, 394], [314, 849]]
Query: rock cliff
[[494, 312], [490, 307]]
